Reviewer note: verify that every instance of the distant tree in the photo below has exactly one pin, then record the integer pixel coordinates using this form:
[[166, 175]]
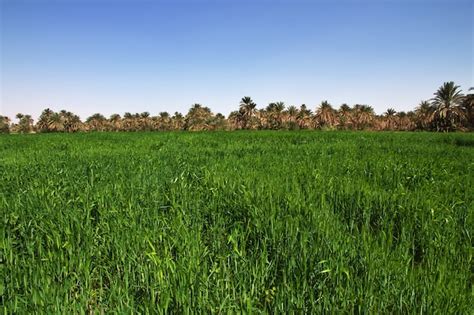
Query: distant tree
[[424, 114], [325, 116], [405, 120], [261, 119], [115, 122], [25, 123], [49, 121], [43, 123], [345, 117], [291, 117], [247, 109], [64, 121], [198, 118], [448, 112], [144, 121], [363, 116], [164, 121], [71, 122], [235, 119], [96, 122], [390, 112], [409, 123], [218, 122], [292, 112], [4, 124], [274, 113], [304, 117], [129, 122], [178, 121], [389, 119], [58, 123], [468, 107]]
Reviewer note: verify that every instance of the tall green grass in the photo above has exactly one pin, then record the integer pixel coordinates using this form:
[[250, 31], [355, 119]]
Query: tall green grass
[[242, 221]]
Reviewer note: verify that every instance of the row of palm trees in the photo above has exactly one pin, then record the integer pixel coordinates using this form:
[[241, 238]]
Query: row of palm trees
[[448, 110]]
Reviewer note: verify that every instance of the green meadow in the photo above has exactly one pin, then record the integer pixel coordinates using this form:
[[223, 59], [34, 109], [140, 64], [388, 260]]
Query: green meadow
[[230, 222]]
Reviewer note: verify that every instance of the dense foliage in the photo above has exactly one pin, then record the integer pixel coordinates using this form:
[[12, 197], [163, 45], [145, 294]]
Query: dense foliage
[[449, 110], [224, 222]]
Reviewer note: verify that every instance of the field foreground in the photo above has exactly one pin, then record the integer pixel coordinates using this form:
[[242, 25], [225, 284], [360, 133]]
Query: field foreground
[[252, 221]]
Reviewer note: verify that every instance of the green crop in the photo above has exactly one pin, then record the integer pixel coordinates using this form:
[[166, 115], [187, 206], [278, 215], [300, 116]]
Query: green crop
[[237, 222]]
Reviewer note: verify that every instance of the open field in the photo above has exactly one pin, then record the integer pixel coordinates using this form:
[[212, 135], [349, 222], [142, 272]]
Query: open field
[[253, 221]]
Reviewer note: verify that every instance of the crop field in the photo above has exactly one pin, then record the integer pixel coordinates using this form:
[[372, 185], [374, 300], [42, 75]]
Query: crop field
[[224, 222]]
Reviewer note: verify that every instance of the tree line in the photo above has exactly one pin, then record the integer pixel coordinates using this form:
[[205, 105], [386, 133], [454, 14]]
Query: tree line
[[448, 110]]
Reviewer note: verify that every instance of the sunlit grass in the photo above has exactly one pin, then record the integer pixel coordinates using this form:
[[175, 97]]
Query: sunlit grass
[[242, 221]]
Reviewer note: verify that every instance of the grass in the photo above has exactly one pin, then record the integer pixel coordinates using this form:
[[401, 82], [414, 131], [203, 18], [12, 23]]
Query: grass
[[241, 221]]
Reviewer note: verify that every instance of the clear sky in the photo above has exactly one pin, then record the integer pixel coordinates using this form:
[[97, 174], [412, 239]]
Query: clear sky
[[116, 56]]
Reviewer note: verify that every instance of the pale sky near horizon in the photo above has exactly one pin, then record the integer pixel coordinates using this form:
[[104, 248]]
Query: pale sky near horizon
[[121, 56]]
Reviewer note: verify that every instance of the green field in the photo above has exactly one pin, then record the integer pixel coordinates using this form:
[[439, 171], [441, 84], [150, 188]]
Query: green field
[[238, 221]]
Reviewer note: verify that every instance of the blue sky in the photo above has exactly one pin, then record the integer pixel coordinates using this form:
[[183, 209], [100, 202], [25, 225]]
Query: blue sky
[[116, 56]]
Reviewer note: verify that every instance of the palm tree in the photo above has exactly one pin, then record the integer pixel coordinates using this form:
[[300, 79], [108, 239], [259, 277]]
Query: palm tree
[[424, 114], [56, 123], [162, 121], [177, 121], [325, 115], [247, 109], [292, 114], [25, 123], [4, 124], [44, 121], [128, 122], [363, 116], [345, 116], [274, 115], [304, 117], [71, 122], [144, 121], [468, 107], [235, 119], [115, 122], [28, 122], [198, 118], [403, 120], [389, 119], [390, 112], [279, 107], [261, 118], [50, 121], [409, 122], [218, 122], [137, 122], [96, 122], [448, 110]]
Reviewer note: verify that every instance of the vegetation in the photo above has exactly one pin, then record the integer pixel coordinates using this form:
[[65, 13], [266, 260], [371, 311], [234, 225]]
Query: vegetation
[[274, 222], [4, 124], [449, 110]]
